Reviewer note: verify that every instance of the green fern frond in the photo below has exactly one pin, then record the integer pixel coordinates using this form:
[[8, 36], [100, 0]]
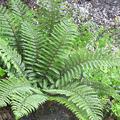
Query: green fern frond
[[8, 26], [10, 21], [56, 50], [31, 42], [8, 87], [50, 15], [101, 88], [22, 97], [85, 99], [99, 59], [82, 60], [71, 106], [11, 59], [23, 104], [18, 8]]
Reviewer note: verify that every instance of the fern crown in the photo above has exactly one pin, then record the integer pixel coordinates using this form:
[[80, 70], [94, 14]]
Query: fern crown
[[36, 49]]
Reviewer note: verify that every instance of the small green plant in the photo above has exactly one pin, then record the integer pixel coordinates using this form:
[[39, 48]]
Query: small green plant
[[2, 72], [116, 109]]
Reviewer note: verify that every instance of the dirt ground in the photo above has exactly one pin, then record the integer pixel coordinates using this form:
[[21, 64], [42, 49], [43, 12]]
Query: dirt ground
[[48, 111], [51, 111]]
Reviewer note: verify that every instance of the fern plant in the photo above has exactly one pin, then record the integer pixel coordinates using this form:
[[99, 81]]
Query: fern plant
[[41, 65]]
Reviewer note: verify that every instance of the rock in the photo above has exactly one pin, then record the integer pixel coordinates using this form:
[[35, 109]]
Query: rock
[[104, 12], [3, 2], [51, 111]]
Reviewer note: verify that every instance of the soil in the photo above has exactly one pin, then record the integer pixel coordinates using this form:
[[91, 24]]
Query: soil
[[48, 111], [6, 113], [51, 111]]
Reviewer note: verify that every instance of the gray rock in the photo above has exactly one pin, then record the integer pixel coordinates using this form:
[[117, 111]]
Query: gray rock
[[105, 12]]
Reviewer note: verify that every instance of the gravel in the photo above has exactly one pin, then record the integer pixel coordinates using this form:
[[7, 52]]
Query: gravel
[[103, 12]]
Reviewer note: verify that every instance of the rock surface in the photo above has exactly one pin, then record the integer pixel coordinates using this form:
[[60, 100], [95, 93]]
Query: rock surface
[[51, 111], [105, 12]]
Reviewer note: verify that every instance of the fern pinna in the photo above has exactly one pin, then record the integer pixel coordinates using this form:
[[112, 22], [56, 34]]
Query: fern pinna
[[41, 65]]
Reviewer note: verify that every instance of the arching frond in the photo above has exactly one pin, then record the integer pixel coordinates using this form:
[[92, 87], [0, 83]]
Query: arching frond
[[80, 61], [22, 97], [101, 88], [8, 87], [8, 26], [84, 98], [71, 106], [57, 48], [19, 8], [11, 59], [24, 104], [31, 42], [50, 15], [10, 21]]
